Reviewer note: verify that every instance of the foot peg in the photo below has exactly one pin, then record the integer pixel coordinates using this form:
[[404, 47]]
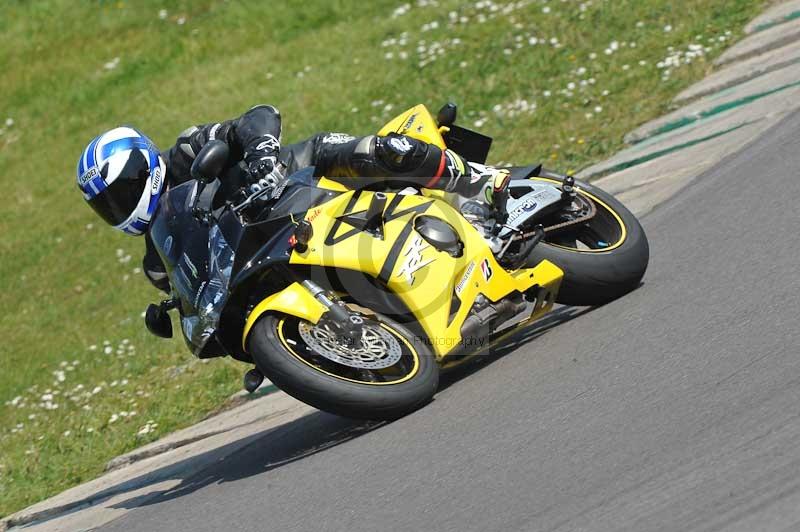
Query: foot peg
[[517, 259], [252, 380]]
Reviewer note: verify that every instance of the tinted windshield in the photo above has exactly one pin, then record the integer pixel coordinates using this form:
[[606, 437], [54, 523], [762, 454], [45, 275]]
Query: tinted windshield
[[212, 295], [198, 259]]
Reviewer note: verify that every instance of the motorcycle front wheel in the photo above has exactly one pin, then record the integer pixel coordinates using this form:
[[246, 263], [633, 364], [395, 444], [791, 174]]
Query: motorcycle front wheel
[[390, 374]]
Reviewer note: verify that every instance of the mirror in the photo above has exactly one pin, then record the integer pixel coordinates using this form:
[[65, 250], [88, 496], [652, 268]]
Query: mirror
[[157, 321], [210, 162], [447, 115]]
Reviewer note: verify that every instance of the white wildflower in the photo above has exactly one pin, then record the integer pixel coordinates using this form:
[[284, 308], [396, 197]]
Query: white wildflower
[[111, 65]]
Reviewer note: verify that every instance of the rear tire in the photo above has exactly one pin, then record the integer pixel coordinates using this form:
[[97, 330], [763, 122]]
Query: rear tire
[[293, 372], [597, 277]]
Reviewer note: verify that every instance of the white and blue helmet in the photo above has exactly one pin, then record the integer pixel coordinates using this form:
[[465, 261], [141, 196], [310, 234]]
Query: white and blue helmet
[[121, 175]]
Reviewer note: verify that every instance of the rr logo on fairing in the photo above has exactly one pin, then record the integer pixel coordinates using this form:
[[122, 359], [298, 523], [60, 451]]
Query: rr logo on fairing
[[413, 260]]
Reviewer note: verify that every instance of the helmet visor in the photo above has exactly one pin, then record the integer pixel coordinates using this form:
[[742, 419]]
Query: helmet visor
[[119, 199]]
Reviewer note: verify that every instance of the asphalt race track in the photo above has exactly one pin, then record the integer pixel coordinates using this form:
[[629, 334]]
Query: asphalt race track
[[675, 408]]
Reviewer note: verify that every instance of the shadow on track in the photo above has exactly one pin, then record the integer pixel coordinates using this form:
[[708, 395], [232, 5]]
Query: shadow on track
[[320, 431], [509, 345], [269, 450]]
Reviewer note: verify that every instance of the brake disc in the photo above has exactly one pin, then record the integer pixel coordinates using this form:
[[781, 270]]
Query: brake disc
[[379, 349]]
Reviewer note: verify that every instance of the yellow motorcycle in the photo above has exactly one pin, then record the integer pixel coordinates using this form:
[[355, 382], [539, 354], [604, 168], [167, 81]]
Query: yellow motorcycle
[[353, 300]]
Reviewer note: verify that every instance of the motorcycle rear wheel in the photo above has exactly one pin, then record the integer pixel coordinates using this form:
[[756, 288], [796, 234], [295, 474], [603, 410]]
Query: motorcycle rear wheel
[[603, 259], [393, 373]]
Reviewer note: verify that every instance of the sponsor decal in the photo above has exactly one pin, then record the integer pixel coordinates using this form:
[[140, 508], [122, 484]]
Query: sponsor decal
[[156, 183], [486, 269], [269, 144], [401, 144], [414, 261], [314, 214], [410, 121], [199, 293], [464, 278], [88, 175], [528, 206], [168, 245], [277, 191], [337, 138]]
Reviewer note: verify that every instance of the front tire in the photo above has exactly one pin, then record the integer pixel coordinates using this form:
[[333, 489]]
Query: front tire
[[285, 350], [596, 275]]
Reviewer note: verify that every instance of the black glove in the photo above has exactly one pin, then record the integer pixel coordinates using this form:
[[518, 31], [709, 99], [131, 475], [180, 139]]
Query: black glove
[[260, 168], [261, 156]]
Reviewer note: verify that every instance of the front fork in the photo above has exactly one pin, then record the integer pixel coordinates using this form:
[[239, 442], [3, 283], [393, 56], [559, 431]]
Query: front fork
[[349, 324]]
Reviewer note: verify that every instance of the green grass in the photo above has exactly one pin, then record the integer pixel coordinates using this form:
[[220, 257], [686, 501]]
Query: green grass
[[65, 286]]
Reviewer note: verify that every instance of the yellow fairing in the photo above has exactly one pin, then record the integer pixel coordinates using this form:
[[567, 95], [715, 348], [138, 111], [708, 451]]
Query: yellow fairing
[[294, 300], [437, 288], [418, 123], [330, 184]]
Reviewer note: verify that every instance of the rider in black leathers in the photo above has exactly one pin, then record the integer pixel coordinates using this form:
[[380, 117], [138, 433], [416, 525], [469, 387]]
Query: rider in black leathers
[[254, 141]]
